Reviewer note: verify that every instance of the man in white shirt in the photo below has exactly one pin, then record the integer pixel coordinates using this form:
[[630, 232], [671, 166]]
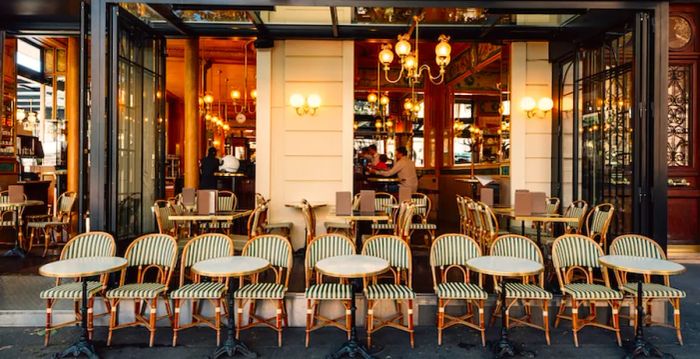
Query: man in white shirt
[[405, 170]]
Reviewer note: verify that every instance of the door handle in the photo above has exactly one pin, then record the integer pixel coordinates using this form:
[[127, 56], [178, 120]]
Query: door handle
[[678, 182]]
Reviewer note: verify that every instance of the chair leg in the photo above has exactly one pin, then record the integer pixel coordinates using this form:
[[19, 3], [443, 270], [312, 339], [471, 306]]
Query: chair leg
[[112, 319], [251, 310], [90, 316], [280, 304], [47, 239], [562, 308], [239, 308], [217, 321], [410, 322], [370, 322], [545, 319], [168, 311], [309, 319], [676, 303], [152, 320], [482, 325], [32, 233], [348, 318], [496, 310], [574, 320], [49, 308], [616, 321], [441, 319], [176, 320]]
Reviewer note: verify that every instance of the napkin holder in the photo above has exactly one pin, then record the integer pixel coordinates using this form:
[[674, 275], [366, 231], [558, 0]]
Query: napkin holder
[[343, 203], [523, 203], [367, 202], [539, 202], [15, 193], [206, 201]]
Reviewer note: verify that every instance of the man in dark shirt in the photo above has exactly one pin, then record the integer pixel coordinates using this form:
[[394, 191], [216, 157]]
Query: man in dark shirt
[[207, 167]]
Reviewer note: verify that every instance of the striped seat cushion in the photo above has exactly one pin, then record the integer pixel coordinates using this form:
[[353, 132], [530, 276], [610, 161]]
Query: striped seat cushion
[[524, 291], [45, 224], [72, 290], [427, 226], [389, 291], [7, 223], [143, 290], [460, 290], [261, 291], [329, 291], [383, 226], [279, 225], [199, 290], [591, 291], [337, 225], [653, 290]]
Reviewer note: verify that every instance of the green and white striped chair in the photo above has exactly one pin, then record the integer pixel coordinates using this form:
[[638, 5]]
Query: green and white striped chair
[[422, 210], [52, 226], [197, 249], [598, 222], [576, 209], [384, 201], [396, 251], [529, 289], [345, 228], [154, 257], [451, 252], [319, 291], [489, 223], [162, 211], [462, 210], [282, 228], [91, 244], [254, 228], [7, 215], [640, 246], [278, 251], [226, 201], [573, 253]]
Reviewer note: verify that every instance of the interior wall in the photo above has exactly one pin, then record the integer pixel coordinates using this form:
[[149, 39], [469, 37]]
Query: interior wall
[[531, 75], [312, 155]]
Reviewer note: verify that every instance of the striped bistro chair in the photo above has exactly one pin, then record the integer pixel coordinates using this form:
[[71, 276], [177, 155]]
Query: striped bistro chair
[[395, 250], [576, 209], [346, 228], [489, 223], [572, 253], [552, 205], [319, 291], [451, 252], [162, 210], [197, 249], [282, 228], [641, 246], [91, 244], [148, 253], [254, 228], [598, 222], [531, 287], [462, 210], [51, 225], [422, 210], [383, 202], [278, 251], [309, 220], [478, 228], [226, 201], [404, 219]]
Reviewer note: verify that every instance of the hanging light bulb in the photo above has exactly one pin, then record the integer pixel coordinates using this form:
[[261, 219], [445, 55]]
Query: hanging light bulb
[[403, 47], [407, 105], [235, 95], [208, 99], [254, 94], [226, 127], [389, 123], [207, 117], [384, 100], [386, 56], [378, 124], [372, 97]]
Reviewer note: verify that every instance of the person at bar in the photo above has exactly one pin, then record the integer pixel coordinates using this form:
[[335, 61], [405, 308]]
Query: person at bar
[[207, 167], [381, 165], [373, 155], [405, 170]]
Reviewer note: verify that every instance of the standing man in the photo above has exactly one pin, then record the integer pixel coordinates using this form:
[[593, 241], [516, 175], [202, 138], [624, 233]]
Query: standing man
[[405, 169], [207, 167]]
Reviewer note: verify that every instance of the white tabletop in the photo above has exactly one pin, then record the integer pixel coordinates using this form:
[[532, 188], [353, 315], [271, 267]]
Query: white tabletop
[[352, 266], [504, 266], [232, 266], [300, 205], [641, 265], [27, 203], [82, 267]]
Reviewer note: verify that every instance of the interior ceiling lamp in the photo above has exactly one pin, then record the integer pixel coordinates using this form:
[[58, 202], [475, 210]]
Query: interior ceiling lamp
[[380, 105], [236, 95], [536, 108], [409, 60]]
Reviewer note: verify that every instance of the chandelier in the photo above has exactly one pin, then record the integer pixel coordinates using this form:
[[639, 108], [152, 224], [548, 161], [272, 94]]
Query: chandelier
[[243, 109], [380, 106], [409, 60]]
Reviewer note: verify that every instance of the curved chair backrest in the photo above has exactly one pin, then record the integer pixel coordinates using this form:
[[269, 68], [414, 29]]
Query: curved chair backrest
[[423, 205], [636, 245], [576, 209], [152, 251], [275, 249], [162, 210], [452, 251], [203, 247], [393, 249], [90, 244], [325, 246], [571, 252], [552, 205], [382, 199], [5, 198], [404, 220], [598, 222], [307, 210], [226, 201], [513, 245], [256, 220], [259, 199]]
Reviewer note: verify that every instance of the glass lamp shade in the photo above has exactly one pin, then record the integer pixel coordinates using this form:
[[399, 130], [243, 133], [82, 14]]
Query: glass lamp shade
[[215, 119], [408, 105], [372, 97], [443, 48], [240, 118], [403, 47], [208, 99], [527, 103], [314, 101], [378, 124], [384, 100], [254, 94], [386, 56], [545, 104], [389, 123], [207, 117], [410, 62], [296, 100], [235, 94], [226, 127]]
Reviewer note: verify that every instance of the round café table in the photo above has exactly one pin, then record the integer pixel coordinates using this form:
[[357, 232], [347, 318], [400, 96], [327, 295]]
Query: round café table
[[352, 267], [503, 266], [17, 251], [641, 265], [82, 267], [234, 266]]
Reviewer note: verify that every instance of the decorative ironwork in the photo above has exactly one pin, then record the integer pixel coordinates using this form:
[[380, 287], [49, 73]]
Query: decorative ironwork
[[678, 115]]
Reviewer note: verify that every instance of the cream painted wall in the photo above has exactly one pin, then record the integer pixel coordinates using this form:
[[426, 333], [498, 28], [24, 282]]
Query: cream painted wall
[[531, 141], [304, 156]]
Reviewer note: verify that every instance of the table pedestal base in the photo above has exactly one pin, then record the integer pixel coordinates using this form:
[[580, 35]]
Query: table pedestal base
[[81, 347], [232, 345], [16, 251], [352, 348], [641, 347], [504, 348]]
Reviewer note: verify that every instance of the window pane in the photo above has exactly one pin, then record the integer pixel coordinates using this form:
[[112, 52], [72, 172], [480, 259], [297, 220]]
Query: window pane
[[679, 91], [28, 55]]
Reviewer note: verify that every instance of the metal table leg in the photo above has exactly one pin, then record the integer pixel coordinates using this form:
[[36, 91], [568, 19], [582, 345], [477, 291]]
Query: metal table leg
[[84, 344], [232, 345], [641, 347]]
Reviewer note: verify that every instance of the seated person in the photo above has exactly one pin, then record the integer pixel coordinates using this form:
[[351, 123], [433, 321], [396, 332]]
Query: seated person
[[381, 165]]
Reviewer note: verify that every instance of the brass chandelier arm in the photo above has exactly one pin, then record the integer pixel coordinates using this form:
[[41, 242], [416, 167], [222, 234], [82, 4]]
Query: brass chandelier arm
[[440, 76], [386, 75]]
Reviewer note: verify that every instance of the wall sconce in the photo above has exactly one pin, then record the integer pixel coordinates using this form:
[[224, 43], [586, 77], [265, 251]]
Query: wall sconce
[[307, 105], [544, 105]]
